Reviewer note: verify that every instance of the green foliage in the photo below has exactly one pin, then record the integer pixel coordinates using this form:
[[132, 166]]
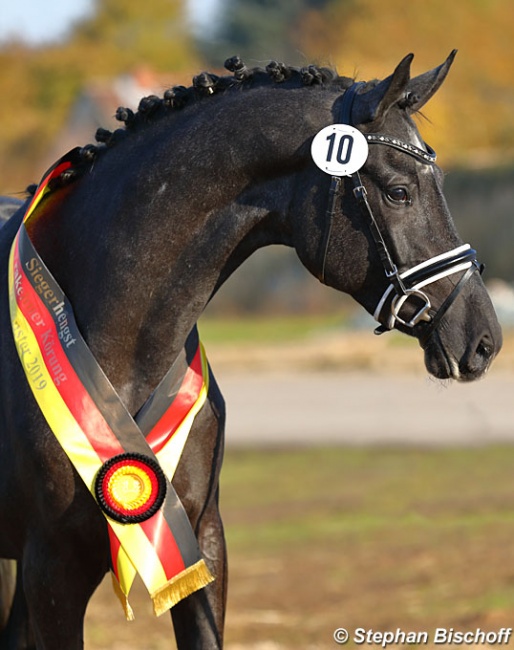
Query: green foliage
[[133, 33], [259, 30]]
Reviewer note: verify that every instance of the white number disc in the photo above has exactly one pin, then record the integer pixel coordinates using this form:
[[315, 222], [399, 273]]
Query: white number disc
[[339, 149]]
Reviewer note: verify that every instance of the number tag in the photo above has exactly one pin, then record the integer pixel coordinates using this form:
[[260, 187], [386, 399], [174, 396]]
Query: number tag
[[339, 149]]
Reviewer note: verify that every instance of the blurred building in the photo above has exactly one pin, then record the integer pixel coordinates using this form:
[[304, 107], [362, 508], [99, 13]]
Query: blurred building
[[96, 104]]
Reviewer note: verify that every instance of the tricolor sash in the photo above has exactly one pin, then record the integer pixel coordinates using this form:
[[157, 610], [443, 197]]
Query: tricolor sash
[[127, 463]]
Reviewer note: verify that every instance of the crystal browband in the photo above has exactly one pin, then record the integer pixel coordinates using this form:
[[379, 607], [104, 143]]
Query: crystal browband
[[428, 156]]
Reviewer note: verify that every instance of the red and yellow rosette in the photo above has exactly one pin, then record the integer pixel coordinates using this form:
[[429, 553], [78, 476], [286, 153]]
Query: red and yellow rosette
[[130, 488]]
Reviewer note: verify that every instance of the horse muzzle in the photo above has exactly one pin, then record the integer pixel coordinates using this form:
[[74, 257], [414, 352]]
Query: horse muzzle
[[478, 355]]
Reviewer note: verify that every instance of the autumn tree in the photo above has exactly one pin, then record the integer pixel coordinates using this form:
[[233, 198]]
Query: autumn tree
[[39, 84], [257, 30], [471, 119]]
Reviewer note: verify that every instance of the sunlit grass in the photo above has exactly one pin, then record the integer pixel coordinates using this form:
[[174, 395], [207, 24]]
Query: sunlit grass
[[259, 329], [375, 537], [330, 491]]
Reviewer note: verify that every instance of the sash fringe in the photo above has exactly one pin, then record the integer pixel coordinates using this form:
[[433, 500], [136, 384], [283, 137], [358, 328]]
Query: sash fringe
[[192, 579], [123, 598]]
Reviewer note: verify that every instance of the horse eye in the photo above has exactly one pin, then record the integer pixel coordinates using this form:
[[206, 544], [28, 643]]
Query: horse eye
[[398, 195]]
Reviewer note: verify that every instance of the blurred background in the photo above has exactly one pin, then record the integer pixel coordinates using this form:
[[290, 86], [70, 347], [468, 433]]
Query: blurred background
[[355, 492]]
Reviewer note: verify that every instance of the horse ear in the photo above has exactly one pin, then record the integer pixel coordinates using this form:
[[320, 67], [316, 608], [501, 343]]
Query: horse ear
[[421, 89], [374, 105]]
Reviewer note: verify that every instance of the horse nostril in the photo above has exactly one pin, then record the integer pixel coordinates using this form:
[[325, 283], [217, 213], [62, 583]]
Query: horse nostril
[[485, 348], [478, 358]]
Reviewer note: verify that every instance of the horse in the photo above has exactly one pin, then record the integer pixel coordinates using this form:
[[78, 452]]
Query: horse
[[8, 206], [144, 228]]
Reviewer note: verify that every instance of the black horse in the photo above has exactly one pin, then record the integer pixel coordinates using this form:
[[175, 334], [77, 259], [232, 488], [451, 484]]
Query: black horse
[[146, 229]]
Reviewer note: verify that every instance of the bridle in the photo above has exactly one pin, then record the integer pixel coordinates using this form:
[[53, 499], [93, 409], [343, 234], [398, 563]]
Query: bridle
[[410, 283]]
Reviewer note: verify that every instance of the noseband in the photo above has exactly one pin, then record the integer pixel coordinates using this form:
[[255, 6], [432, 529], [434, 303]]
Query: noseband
[[410, 283]]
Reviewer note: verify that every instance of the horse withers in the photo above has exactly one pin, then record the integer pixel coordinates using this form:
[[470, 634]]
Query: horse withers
[[141, 231]]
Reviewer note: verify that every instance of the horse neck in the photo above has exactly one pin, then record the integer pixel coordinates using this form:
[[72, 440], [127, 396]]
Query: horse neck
[[148, 255]]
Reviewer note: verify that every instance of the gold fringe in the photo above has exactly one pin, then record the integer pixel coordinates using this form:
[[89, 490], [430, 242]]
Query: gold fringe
[[123, 598], [192, 579]]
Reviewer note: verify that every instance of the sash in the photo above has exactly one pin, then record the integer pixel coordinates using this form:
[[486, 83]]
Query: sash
[[127, 463]]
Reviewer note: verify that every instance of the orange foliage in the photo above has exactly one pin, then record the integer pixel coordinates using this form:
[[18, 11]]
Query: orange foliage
[[39, 85], [472, 116]]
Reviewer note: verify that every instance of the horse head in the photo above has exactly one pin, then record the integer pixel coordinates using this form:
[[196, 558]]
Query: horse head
[[385, 235]]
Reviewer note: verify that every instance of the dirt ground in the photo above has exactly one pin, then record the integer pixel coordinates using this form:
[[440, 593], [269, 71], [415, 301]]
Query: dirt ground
[[390, 354], [292, 591], [295, 600]]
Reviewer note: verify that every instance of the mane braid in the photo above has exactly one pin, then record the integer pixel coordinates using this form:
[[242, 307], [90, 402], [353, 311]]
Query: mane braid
[[205, 84]]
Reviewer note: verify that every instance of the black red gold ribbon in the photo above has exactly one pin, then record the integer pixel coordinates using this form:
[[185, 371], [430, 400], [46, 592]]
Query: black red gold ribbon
[[127, 463]]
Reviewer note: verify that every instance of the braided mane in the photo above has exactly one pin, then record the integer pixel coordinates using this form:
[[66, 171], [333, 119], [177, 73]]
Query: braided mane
[[204, 85]]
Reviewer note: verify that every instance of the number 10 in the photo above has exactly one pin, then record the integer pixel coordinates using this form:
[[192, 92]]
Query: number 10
[[344, 150]]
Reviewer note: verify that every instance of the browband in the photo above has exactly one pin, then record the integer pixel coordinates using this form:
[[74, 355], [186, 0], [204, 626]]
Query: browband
[[347, 101], [428, 156]]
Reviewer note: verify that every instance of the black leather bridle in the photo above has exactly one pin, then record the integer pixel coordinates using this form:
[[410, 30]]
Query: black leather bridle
[[408, 284]]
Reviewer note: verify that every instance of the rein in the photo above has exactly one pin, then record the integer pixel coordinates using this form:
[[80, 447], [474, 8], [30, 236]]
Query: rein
[[409, 283]]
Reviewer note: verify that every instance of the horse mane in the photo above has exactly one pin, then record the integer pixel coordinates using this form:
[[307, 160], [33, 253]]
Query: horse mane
[[204, 85], [207, 84]]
